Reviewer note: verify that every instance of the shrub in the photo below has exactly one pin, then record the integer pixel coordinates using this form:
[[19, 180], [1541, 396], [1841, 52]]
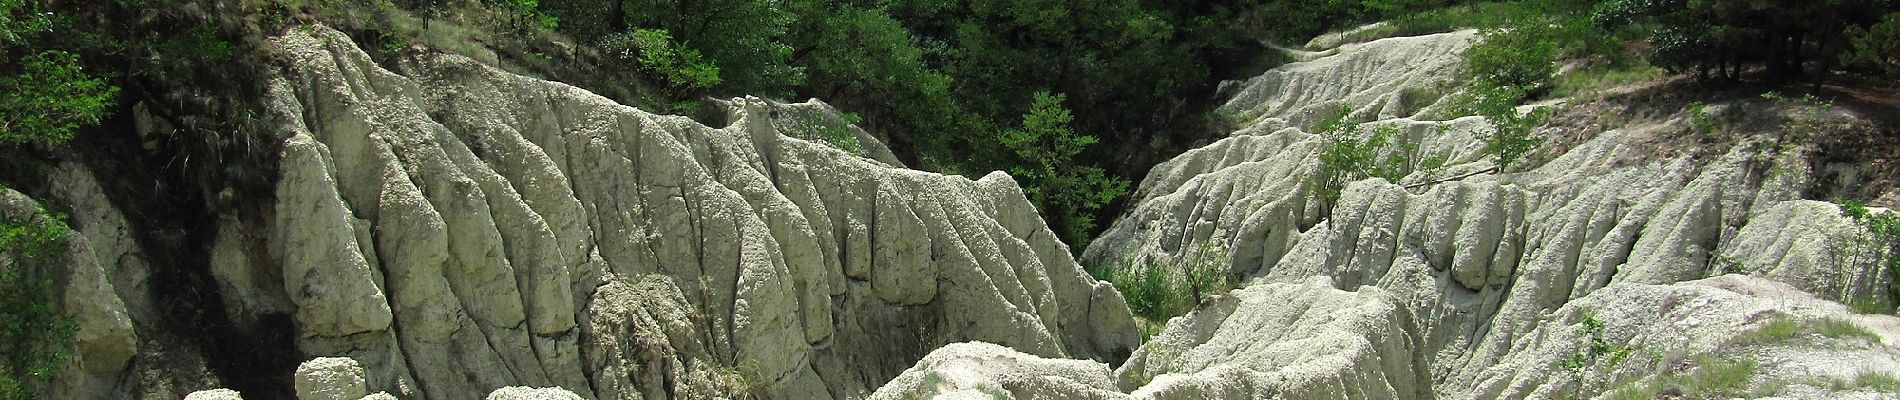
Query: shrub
[[1728, 36], [527, 15], [50, 99], [1717, 377], [1875, 251], [836, 132], [1877, 46], [1513, 134], [655, 51], [1155, 292], [1598, 350], [1067, 192], [34, 335], [742, 38], [1776, 330], [1346, 156], [1521, 57]]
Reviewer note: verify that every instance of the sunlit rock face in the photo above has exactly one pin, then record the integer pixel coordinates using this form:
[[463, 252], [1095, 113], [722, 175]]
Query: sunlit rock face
[[1450, 284], [451, 229]]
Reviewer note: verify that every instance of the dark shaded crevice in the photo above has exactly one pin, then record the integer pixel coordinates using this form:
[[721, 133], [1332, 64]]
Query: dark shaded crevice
[[168, 201]]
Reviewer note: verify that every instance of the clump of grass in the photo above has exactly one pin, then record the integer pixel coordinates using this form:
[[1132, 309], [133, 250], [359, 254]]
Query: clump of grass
[[1155, 291], [1882, 381], [1593, 80], [1776, 330], [1716, 376], [1784, 328], [1841, 329], [1709, 377]]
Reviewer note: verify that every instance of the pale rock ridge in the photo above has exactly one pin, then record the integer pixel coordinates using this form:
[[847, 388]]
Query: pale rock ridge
[[1466, 274], [977, 370], [448, 229], [1368, 76]]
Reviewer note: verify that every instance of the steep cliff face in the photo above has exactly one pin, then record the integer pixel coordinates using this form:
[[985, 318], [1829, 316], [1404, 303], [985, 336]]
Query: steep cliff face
[[1485, 286], [454, 229]]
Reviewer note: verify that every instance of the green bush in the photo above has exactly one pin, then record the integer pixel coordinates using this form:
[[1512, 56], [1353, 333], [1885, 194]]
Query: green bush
[[1875, 250], [1728, 37], [1067, 192], [34, 334], [744, 39], [1348, 155], [1513, 134], [655, 51], [1877, 46], [1884, 381], [1522, 57], [1598, 350], [1157, 291], [51, 98]]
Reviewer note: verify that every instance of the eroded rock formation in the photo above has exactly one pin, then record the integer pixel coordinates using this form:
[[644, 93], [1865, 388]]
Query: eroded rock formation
[[454, 229]]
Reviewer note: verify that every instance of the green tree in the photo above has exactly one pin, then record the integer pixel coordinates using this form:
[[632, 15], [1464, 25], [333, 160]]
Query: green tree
[[1522, 57], [1724, 37], [50, 98], [863, 60], [655, 51], [34, 334], [743, 38], [1878, 46], [1067, 192]]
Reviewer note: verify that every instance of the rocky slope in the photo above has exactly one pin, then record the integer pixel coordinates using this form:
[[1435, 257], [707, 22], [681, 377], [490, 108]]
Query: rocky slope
[[1482, 287], [447, 229]]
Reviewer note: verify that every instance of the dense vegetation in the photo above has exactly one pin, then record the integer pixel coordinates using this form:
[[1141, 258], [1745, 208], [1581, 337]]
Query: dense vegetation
[[34, 334]]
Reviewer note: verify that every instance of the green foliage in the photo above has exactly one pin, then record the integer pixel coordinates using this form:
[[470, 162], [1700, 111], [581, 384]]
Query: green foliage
[[1877, 46], [1348, 155], [1875, 251], [1884, 381], [836, 132], [1155, 292], [1699, 121], [1522, 57], [1046, 147], [1717, 377], [1592, 80], [1841, 329], [1513, 134], [1598, 350], [1708, 377], [20, 19], [655, 51], [1728, 36], [34, 334], [526, 15], [743, 39], [1777, 330], [52, 97]]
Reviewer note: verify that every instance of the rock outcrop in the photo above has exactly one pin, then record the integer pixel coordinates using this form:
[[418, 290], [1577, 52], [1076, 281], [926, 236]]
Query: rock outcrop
[[1472, 287], [452, 229], [441, 229]]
